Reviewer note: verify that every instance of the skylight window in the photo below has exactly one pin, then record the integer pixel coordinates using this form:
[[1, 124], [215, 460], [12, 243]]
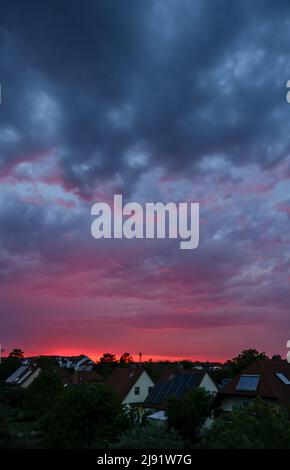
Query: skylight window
[[248, 383], [283, 378]]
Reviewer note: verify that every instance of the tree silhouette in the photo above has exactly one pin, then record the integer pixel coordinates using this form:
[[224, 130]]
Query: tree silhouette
[[188, 413], [276, 357], [126, 358], [17, 354], [244, 359], [108, 358]]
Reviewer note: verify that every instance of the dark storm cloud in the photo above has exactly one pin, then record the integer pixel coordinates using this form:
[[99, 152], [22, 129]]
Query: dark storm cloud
[[117, 86]]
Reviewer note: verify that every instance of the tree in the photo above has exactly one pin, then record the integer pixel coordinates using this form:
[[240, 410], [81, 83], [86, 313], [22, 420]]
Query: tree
[[150, 437], [151, 370], [243, 360], [126, 358], [258, 425], [108, 358], [233, 366], [43, 393], [187, 414], [8, 366], [186, 364], [12, 397], [105, 365], [46, 362], [86, 415], [17, 354]]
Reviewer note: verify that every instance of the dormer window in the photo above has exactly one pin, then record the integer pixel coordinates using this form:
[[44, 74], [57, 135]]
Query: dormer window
[[283, 378]]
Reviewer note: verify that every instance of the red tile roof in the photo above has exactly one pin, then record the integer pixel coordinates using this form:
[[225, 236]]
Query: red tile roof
[[122, 380], [269, 386], [79, 377], [86, 376], [167, 373]]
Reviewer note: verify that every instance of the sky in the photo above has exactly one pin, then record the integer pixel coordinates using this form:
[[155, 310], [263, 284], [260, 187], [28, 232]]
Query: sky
[[157, 100]]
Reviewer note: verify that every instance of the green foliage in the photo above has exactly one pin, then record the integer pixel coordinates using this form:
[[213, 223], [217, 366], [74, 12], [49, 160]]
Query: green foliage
[[106, 364], [15, 433], [42, 394], [276, 357], [46, 362], [8, 366], [238, 363], [258, 425], [84, 415], [243, 360], [104, 370], [186, 364], [12, 397], [187, 414], [150, 437]]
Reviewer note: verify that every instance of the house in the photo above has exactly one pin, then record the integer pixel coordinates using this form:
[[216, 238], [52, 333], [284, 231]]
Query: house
[[23, 376], [132, 384], [265, 378], [177, 385], [167, 372], [207, 366], [80, 363]]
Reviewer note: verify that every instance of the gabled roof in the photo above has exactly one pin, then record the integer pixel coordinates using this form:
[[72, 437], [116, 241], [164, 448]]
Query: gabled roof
[[79, 377], [122, 380], [168, 372], [269, 384], [175, 387], [74, 360], [85, 376]]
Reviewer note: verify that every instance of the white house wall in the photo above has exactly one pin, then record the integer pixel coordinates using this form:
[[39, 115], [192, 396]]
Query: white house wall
[[144, 382], [208, 384], [231, 402]]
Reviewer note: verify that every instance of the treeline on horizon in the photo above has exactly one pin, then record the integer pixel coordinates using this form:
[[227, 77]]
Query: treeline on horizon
[[108, 361]]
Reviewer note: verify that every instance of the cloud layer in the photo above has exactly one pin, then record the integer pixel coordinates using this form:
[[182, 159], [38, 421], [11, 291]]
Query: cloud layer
[[162, 101]]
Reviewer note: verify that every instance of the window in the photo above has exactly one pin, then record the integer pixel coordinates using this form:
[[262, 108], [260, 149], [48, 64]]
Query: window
[[283, 378], [248, 383], [150, 389], [137, 390]]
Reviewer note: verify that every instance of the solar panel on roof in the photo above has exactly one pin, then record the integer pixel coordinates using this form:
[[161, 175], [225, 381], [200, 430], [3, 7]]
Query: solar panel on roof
[[17, 374], [21, 379], [178, 386], [248, 383]]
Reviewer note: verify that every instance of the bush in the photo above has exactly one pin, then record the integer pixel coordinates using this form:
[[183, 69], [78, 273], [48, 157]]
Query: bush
[[84, 415], [258, 425], [8, 366], [151, 436], [42, 394], [188, 413]]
